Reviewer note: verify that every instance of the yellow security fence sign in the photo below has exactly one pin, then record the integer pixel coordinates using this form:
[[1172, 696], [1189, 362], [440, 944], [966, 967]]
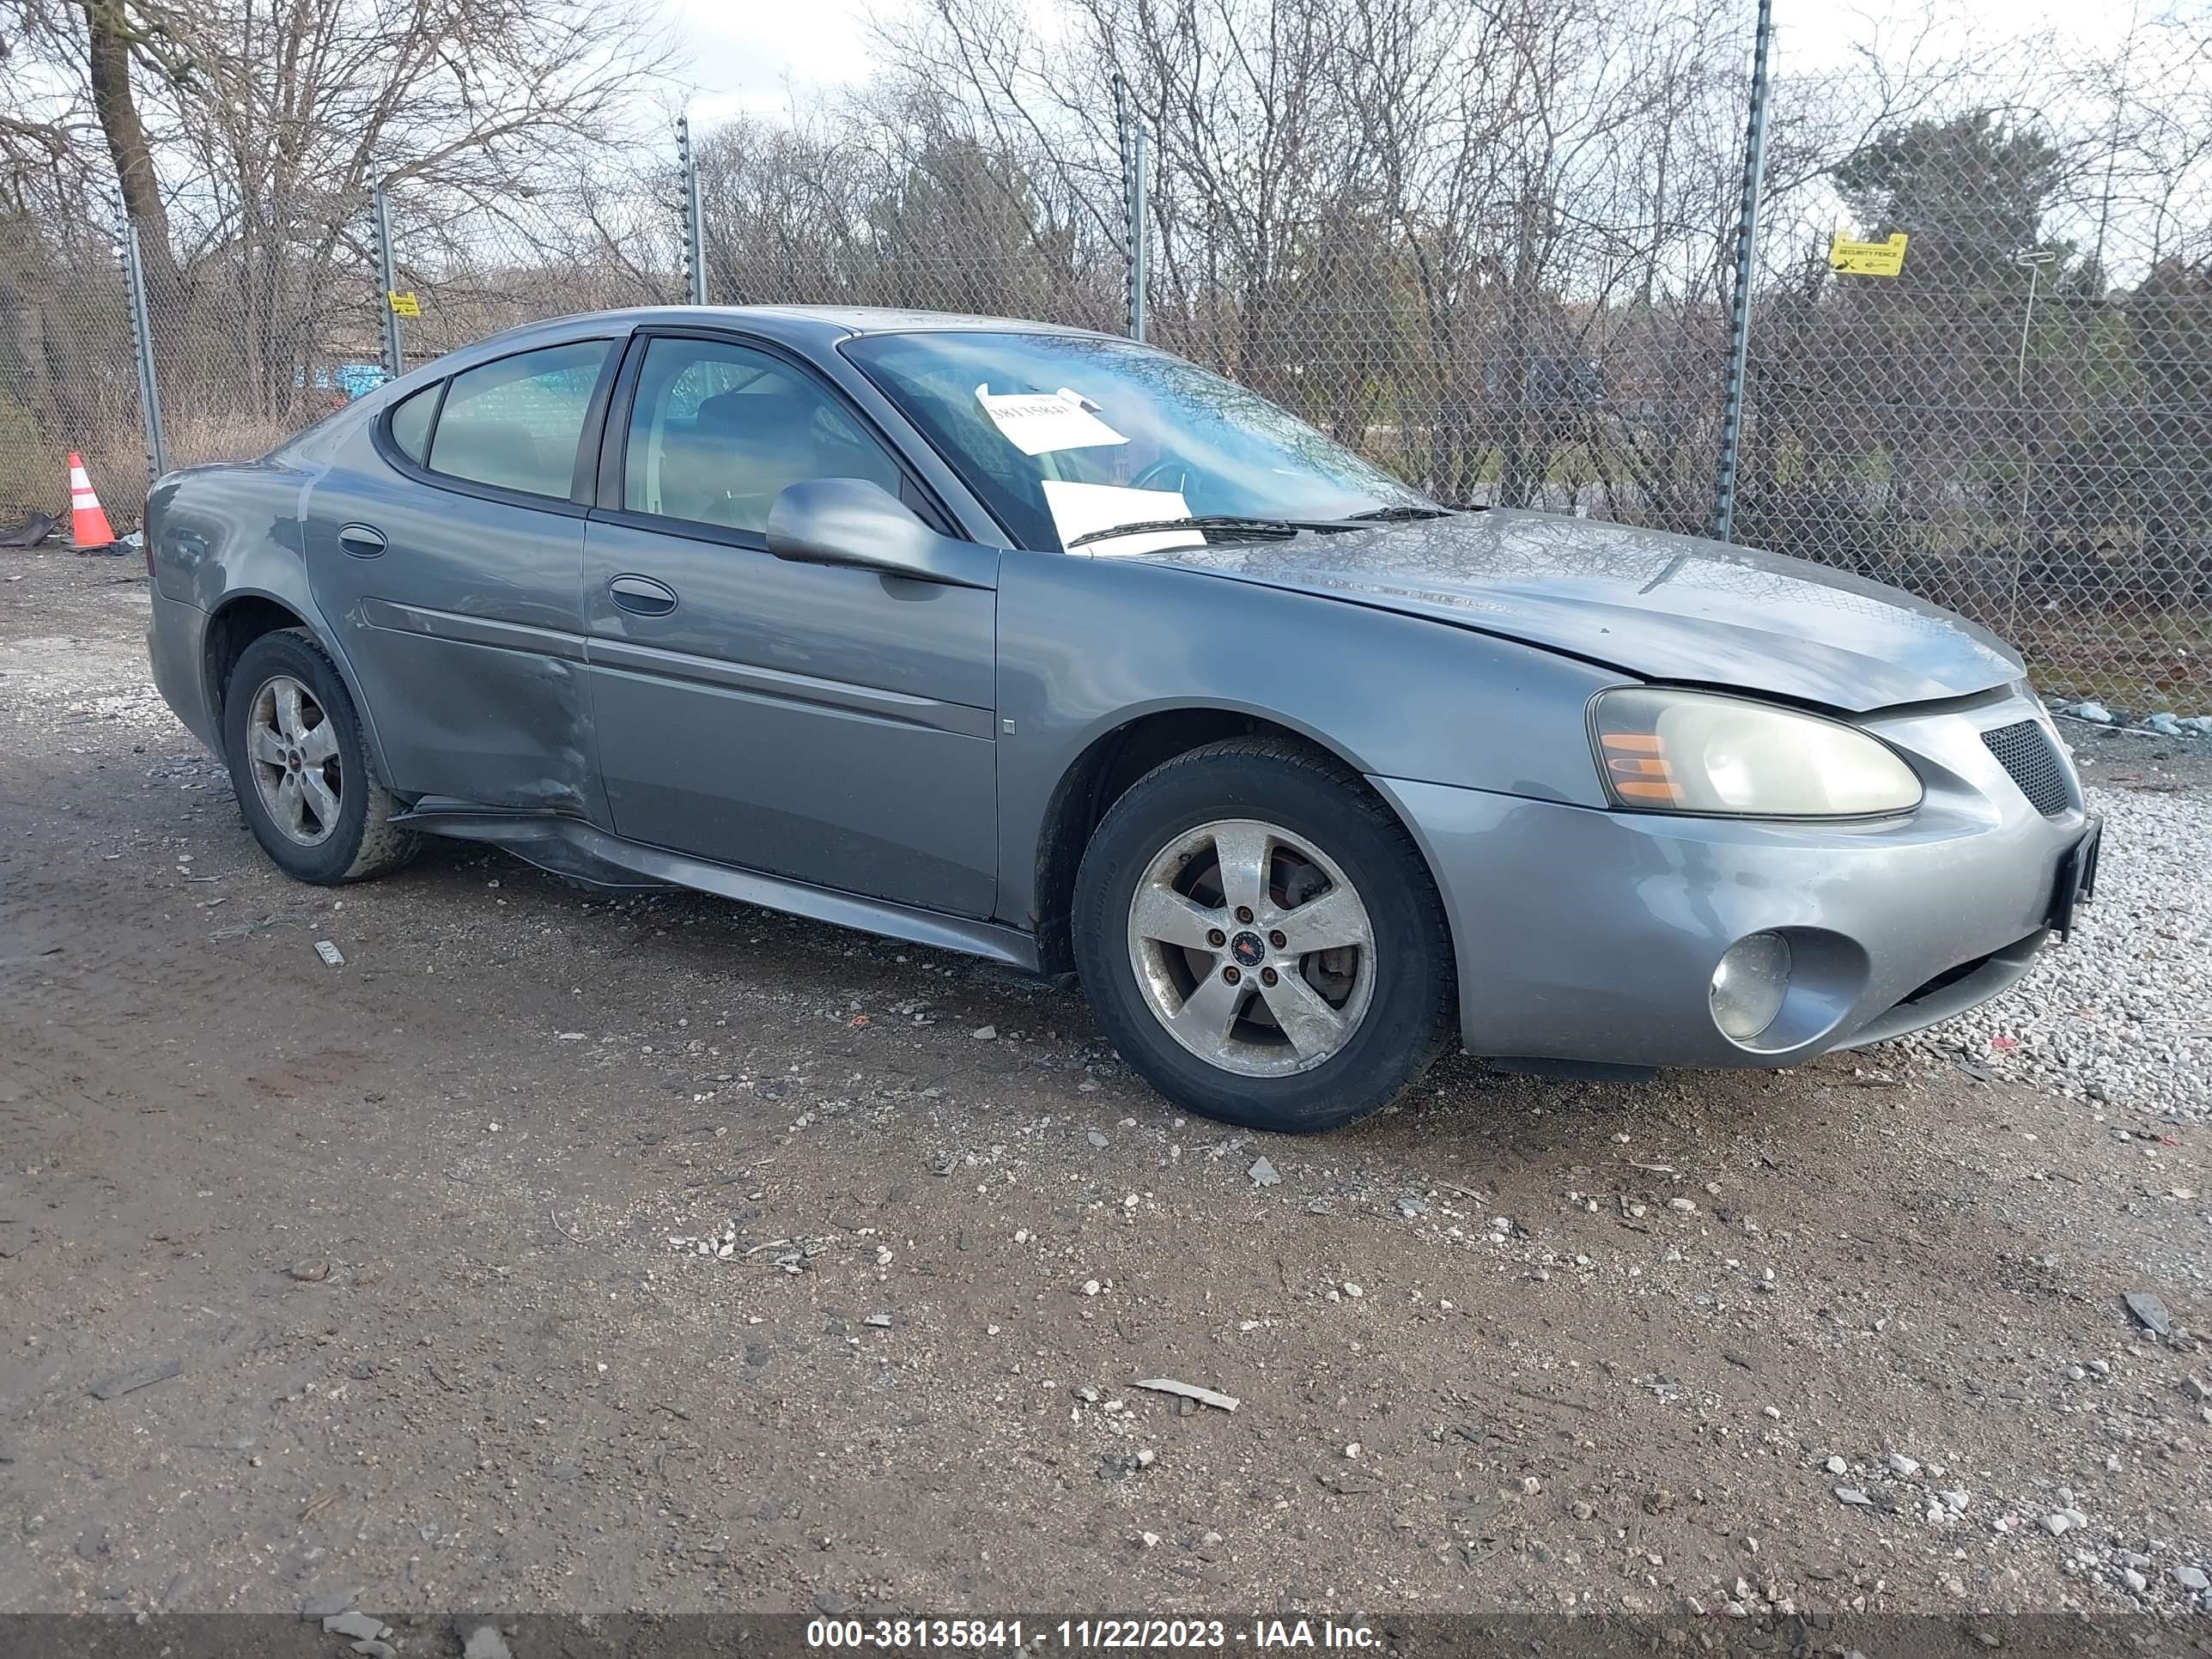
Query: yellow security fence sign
[[1848, 256], [405, 304]]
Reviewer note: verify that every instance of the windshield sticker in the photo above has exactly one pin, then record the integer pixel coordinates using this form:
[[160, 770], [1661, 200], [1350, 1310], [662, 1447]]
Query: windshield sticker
[[1077, 509], [1039, 423]]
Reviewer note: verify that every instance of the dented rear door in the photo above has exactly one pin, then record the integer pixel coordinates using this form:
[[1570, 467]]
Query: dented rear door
[[459, 601]]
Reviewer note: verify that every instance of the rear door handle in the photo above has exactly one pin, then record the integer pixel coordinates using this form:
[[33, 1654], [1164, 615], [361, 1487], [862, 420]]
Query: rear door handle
[[362, 541], [642, 596]]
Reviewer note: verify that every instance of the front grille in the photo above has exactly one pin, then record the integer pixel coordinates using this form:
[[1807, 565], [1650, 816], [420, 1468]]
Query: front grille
[[2025, 751]]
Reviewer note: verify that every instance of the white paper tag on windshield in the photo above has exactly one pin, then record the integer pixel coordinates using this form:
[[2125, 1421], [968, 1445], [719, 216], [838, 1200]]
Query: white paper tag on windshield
[[1038, 422], [1077, 509]]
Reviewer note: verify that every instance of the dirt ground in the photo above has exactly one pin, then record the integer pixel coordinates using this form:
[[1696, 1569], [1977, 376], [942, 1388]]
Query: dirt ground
[[418, 1237]]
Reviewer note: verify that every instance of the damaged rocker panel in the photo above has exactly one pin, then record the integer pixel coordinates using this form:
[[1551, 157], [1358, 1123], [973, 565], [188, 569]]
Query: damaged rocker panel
[[569, 847]]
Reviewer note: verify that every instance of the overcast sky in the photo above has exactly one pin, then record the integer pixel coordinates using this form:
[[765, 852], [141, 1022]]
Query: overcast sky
[[741, 56], [745, 56]]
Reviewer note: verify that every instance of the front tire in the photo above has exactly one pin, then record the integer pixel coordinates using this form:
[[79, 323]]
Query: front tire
[[1262, 940], [303, 776]]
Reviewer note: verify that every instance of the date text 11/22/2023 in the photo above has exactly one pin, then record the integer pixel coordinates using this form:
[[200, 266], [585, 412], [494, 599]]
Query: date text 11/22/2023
[[1079, 1634]]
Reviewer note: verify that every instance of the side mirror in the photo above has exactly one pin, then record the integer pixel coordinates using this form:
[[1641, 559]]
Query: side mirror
[[851, 521]]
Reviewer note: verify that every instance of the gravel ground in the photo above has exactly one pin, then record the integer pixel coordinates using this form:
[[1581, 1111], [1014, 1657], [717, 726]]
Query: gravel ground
[[2121, 1015], [402, 1261]]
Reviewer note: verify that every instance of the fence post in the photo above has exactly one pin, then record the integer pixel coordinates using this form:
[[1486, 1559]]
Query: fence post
[[1746, 246], [2033, 260], [695, 226], [395, 362], [142, 341], [1140, 230], [1136, 231]]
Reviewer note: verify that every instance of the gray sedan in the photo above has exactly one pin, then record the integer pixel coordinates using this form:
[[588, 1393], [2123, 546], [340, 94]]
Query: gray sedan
[[1050, 647]]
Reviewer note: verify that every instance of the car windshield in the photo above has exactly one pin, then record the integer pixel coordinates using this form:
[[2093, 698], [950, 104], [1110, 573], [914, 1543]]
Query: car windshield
[[1067, 438]]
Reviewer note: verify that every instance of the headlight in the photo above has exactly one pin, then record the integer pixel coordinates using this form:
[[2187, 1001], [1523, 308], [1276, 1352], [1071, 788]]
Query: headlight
[[1694, 751]]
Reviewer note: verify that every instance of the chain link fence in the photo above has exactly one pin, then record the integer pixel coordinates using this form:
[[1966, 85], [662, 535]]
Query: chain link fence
[[874, 216], [253, 336], [68, 376], [2015, 422], [464, 266], [1505, 397]]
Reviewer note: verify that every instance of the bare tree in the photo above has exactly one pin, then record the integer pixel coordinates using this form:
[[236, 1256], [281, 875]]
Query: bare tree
[[245, 137], [1488, 241], [1413, 220]]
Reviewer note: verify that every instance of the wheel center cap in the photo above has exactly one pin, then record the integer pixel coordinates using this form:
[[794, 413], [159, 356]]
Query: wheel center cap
[[1249, 950], [292, 763]]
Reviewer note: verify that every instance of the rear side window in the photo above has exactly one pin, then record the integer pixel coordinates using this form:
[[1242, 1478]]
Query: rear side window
[[410, 423], [516, 423]]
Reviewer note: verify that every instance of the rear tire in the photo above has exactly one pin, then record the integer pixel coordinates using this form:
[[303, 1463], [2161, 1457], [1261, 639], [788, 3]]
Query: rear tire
[[1314, 1002], [302, 773]]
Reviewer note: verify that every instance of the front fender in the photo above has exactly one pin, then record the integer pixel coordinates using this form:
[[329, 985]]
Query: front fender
[[1087, 646]]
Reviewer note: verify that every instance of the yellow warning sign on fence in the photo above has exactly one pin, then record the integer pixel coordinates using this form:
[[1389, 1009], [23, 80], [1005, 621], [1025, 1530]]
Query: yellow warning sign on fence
[[1848, 256], [405, 304]]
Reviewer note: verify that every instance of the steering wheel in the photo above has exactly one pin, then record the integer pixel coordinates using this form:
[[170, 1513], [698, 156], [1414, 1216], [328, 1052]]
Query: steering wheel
[[1166, 473]]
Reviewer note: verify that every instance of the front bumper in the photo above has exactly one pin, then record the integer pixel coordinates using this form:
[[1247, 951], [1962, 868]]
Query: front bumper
[[1591, 937]]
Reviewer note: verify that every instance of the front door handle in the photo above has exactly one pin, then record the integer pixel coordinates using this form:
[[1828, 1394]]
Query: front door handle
[[362, 541], [642, 596]]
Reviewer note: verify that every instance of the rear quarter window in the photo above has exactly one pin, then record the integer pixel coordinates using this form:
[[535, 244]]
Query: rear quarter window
[[410, 423]]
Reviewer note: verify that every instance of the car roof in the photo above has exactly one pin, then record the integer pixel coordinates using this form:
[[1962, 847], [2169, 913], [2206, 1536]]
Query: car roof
[[892, 320], [810, 326], [815, 329]]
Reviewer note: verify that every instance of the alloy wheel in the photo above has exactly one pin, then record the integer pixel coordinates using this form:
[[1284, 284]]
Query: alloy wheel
[[1252, 948], [293, 750]]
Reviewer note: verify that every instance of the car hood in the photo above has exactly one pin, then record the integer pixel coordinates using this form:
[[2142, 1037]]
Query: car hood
[[1660, 606]]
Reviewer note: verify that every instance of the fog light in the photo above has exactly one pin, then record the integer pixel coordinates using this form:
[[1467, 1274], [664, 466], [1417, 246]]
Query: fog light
[[1748, 986]]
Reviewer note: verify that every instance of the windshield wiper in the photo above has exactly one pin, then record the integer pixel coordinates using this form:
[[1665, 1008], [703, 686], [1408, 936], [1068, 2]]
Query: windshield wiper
[[1397, 514], [1281, 528]]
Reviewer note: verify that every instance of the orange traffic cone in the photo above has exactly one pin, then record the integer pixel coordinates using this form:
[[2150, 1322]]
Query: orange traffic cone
[[90, 530]]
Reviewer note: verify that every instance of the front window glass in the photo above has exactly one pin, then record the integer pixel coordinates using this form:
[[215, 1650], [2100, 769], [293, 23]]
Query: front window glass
[[1063, 436], [716, 431], [516, 423]]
